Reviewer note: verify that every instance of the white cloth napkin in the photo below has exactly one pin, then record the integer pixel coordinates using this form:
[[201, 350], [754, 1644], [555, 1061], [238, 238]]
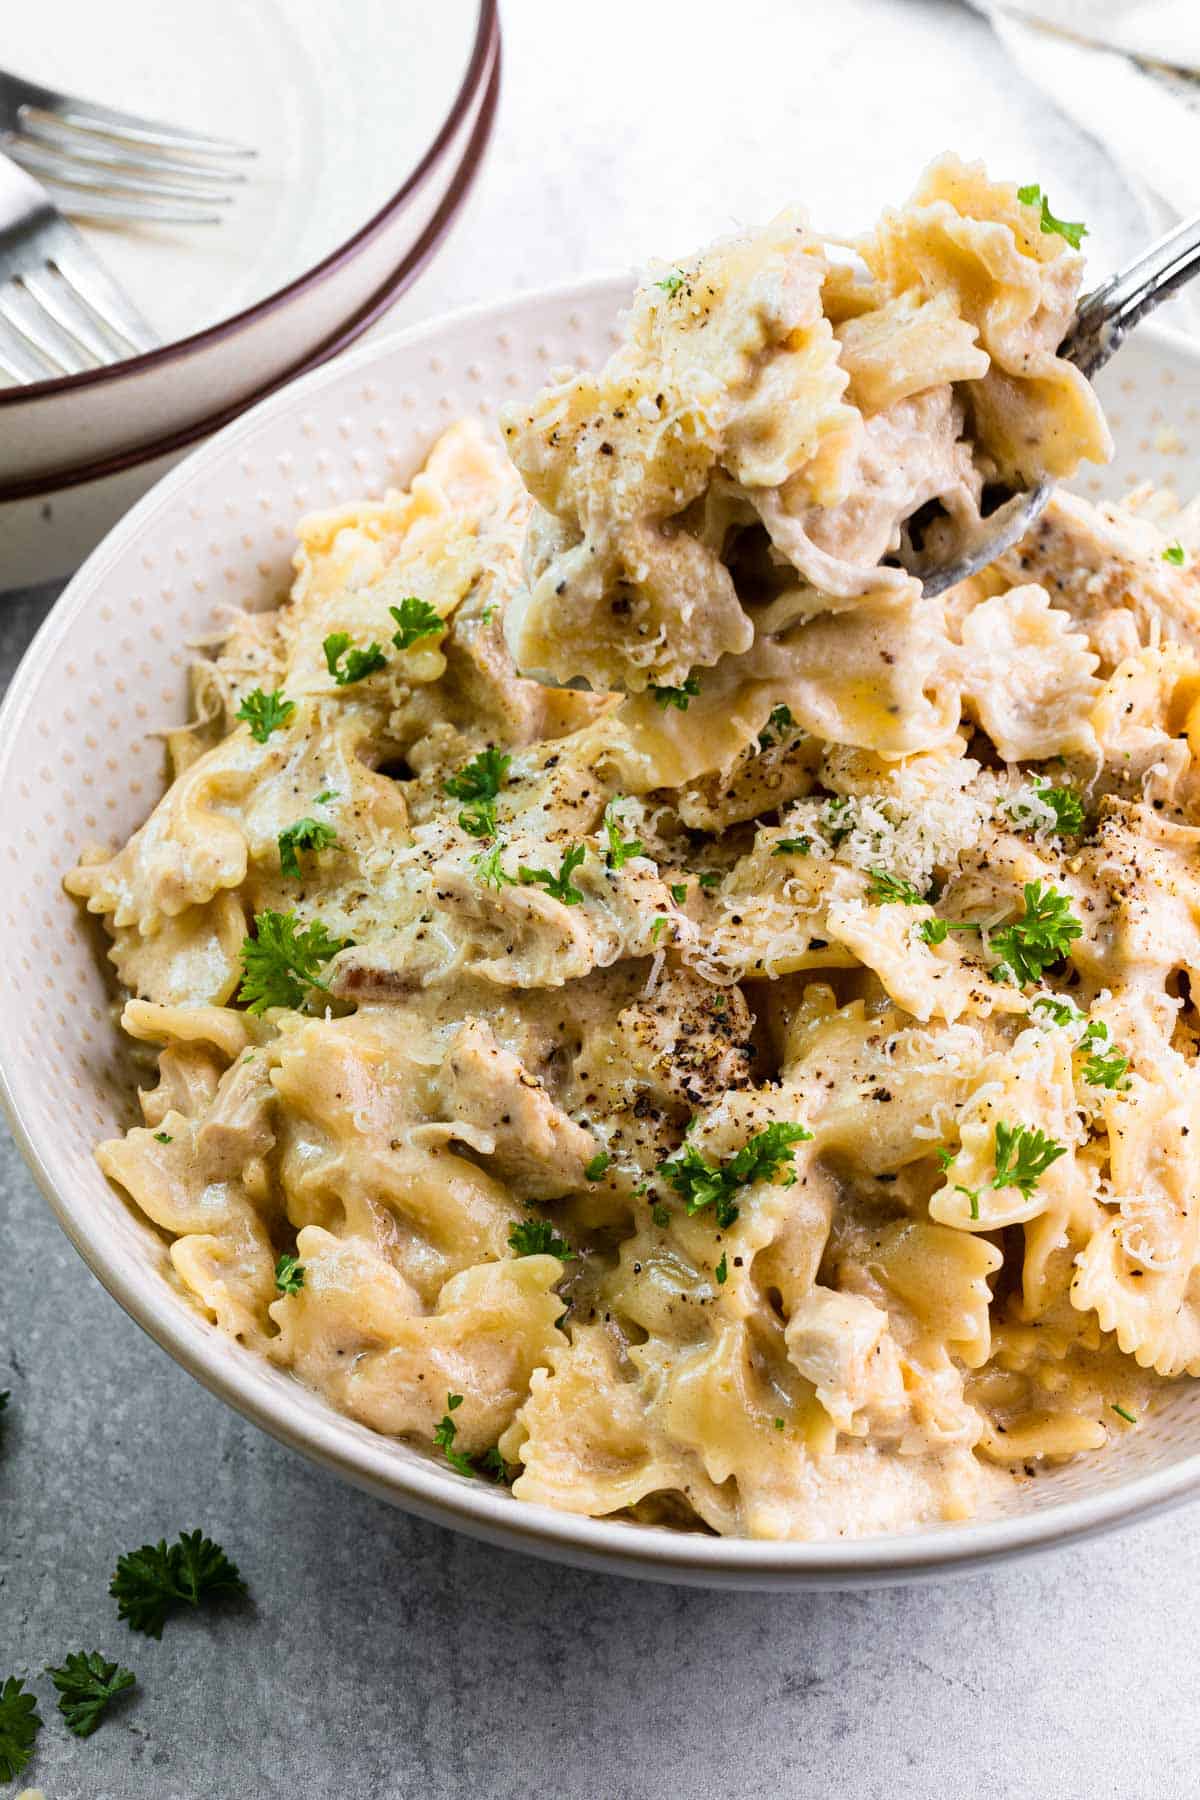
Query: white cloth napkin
[[1128, 72]]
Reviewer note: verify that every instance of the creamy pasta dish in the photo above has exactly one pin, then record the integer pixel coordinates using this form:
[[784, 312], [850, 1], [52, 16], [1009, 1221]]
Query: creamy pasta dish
[[648, 1004]]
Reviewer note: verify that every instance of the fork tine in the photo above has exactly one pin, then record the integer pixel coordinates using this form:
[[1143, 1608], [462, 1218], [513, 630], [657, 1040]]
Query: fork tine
[[29, 328], [80, 203], [20, 307], [44, 140], [93, 287], [15, 358], [106, 121], [54, 298], [94, 179]]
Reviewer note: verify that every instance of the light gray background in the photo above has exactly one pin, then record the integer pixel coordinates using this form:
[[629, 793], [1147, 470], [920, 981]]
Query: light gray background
[[384, 1659]]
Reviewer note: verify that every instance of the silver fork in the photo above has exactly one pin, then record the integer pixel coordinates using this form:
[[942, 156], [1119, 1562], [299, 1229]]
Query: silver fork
[[1102, 321], [60, 310], [98, 163]]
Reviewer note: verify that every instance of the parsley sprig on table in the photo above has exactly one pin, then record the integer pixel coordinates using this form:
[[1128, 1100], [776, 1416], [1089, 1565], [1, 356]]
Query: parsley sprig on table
[[1073, 230], [281, 962], [620, 849], [264, 713], [679, 697], [359, 663], [703, 1183], [305, 834], [892, 890], [87, 1685], [1037, 940], [560, 886], [537, 1237], [479, 782], [155, 1581], [20, 1723], [415, 619], [1023, 1156]]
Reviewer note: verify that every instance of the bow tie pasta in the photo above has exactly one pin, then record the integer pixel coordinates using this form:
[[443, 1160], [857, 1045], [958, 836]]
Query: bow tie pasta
[[760, 1094]]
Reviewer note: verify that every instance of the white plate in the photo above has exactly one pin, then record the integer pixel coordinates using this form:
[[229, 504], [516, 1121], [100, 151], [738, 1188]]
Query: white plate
[[359, 112], [109, 666]]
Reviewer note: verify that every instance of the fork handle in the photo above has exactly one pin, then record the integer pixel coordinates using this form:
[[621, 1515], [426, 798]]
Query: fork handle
[[1109, 312]]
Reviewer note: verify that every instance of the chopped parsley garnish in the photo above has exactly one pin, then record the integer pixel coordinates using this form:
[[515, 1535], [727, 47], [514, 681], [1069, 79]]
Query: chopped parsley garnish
[[495, 1465], [660, 1215], [153, 1582], [945, 1155], [1074, 232], [708, 879], [936, 931], [722, 1270], [1065, 804], [280, 962], [537, 1237], [87, 1685], [325, 796], [359, 663], [1023, 1156], [1174, 553], [620, 849], [488, 613], [797, 846], [779, 721], [265, 713], [1123, 1413], [679, 892], [778, 1424], [678, 697], [671, 284], [20, 1723], [289, 1274], [1037, 940], [837, 827], [703, 1183], [1062, 1012], [478, 782], [560, 886], [305, 834], [1111, 1071], [890, 890], [595, 1169], [659, 926], [163, 1137], [445, 1435], [416, 619], [972, 1197], [488, 866]]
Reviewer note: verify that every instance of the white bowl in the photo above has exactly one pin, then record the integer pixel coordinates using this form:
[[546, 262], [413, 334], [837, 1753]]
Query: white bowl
[[109, 665]]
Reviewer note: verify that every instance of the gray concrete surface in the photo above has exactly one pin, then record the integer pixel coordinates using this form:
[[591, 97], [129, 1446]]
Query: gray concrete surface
[[383, 1659]]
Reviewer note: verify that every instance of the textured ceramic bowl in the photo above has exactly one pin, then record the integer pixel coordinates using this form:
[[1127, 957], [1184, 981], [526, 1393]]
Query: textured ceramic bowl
[[77, 763]]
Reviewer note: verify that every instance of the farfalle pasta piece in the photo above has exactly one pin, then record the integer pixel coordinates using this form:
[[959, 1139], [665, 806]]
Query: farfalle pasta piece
[[1028, 677], [356, 1331]]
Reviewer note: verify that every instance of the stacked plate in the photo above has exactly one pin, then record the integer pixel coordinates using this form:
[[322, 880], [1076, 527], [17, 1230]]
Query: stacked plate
[[369, 124]]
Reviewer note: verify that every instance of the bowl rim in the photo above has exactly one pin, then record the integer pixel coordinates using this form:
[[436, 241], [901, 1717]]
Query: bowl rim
[[486, 38], [397, 282], [366, 1459]]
